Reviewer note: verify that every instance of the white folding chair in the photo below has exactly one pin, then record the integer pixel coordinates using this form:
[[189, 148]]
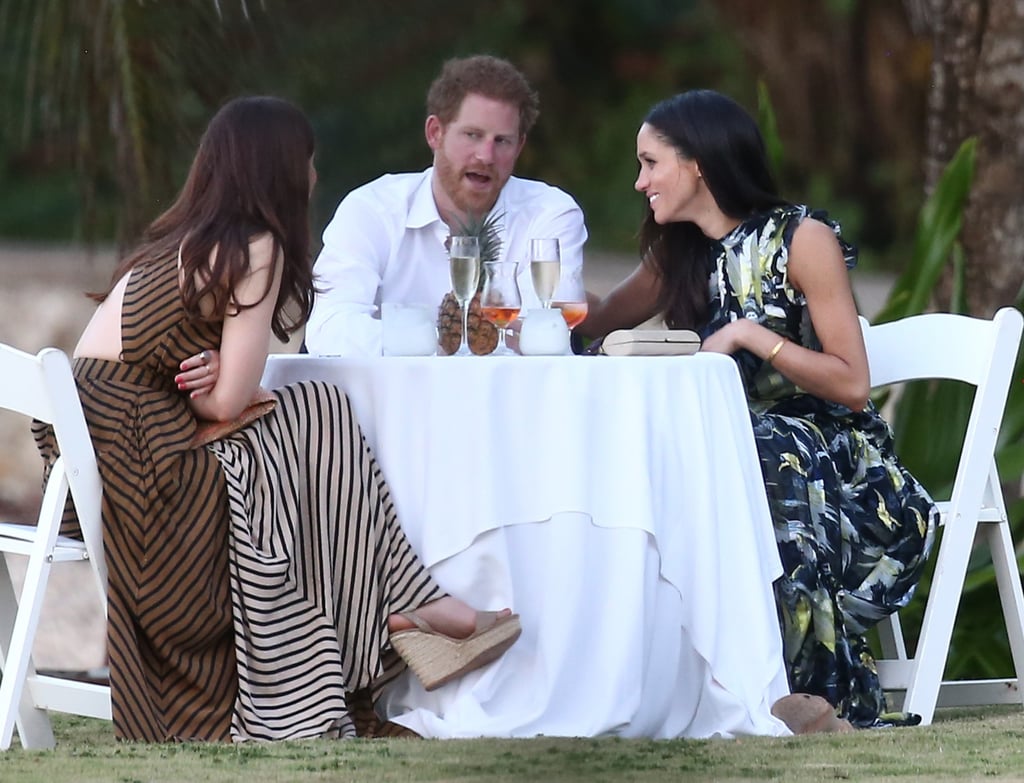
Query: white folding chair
[[982, 353], [43, 388]]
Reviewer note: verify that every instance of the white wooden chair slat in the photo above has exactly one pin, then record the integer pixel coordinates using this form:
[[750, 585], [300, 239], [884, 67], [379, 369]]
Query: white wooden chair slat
[[980, 352]]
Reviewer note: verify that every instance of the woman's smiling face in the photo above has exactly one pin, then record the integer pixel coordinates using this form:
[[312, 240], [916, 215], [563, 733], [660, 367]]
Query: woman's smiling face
[[670, 182]]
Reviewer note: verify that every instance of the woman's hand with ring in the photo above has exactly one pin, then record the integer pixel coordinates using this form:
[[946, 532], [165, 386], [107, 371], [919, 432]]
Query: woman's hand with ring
[[199, 373]]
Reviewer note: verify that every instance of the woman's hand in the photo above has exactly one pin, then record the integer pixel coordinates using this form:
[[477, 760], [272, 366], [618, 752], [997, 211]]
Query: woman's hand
[[729, 338], [199, 373], [743, 333]]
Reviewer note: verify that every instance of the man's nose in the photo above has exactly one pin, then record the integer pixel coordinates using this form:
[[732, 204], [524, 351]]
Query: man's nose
[[485, 151]]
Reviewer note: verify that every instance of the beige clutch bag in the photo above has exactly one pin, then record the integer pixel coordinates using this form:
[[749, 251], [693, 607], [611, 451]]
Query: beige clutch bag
[[650, 342], [208, 431]]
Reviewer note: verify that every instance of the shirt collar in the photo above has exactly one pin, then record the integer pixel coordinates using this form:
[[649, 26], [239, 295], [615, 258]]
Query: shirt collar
[[423, 210]]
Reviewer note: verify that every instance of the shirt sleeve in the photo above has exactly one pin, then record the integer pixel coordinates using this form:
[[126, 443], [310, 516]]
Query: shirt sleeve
[[348, 272]]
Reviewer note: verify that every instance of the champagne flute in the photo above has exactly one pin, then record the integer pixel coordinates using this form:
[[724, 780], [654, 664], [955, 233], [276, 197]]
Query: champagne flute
[[464, 268], [500, 301], [545, 262], [570, 297]]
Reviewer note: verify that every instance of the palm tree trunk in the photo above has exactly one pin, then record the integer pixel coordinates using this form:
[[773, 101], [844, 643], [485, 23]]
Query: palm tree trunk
[[978, 89]]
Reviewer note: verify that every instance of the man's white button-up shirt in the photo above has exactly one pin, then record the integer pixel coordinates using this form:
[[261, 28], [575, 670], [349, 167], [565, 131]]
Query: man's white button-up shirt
[[386, 243]]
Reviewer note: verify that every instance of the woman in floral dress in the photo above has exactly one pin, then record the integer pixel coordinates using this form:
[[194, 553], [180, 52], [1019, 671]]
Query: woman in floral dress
[[766, 281]]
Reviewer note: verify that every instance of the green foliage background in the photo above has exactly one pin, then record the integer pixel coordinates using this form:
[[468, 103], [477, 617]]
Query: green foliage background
[[158, 69]]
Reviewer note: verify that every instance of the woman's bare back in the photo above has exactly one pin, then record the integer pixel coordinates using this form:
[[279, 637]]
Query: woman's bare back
[[101, 338]]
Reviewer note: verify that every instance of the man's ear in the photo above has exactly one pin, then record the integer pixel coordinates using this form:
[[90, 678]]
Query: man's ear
[[433, 130]]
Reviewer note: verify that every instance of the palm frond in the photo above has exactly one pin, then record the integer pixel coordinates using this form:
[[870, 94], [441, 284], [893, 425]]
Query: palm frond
[[120, 89]]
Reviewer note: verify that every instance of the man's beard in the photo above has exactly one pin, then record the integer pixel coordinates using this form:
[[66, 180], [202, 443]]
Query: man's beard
[[453, 183]]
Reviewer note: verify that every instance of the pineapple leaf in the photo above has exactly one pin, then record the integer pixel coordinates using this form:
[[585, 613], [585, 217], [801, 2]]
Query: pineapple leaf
[[487, 229]]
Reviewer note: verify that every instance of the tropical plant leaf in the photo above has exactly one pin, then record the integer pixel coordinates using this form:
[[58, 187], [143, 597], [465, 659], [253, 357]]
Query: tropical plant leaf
[[937, 231], [929, 422], [1011, 459], [769, 127]]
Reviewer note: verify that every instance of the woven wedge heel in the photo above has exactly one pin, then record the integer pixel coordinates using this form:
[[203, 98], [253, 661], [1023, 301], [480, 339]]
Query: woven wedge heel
[[807, 714], [436, 658]]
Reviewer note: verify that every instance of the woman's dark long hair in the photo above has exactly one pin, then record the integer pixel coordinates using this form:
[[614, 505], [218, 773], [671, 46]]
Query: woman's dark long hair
[[717, 133], [250, 176]]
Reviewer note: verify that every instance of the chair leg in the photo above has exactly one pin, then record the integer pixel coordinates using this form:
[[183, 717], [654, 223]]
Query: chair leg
[[18, 623], [937, 624], [890, 638], [1011, 595]]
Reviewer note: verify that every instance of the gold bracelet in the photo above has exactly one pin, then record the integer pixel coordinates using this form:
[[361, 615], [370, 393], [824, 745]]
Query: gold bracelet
[[775, 351]]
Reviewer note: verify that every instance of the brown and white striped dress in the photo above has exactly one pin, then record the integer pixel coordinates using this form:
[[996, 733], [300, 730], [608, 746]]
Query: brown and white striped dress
[[250, 581]]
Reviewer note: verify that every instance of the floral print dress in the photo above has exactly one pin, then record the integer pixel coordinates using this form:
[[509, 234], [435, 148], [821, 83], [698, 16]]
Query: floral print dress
[[853, 527]]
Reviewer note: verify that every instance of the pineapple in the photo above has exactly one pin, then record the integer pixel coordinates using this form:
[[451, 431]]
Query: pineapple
[[483, 336]]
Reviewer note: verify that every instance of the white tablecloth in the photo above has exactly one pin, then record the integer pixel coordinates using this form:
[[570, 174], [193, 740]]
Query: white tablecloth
[[615, 503]]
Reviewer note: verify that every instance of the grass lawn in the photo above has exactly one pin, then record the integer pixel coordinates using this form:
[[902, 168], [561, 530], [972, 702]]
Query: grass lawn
[[962, 745]]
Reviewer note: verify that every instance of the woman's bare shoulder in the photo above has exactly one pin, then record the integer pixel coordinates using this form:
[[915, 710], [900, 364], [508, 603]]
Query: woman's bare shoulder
[[813, 231]]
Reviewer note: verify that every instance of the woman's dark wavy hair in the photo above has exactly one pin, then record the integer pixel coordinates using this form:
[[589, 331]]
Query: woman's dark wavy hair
[[717, 133], [249, 177]]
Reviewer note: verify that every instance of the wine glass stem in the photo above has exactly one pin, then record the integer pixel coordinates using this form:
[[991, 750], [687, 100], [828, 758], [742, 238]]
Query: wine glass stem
[[465, 325]]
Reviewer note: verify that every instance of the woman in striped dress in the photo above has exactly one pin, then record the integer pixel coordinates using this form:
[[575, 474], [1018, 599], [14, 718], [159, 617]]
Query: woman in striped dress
[[258, 581]]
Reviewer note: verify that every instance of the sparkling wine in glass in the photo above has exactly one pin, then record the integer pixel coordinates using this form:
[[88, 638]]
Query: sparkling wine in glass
[[464, 268], [500, 300], [570, 297], [545, 265]]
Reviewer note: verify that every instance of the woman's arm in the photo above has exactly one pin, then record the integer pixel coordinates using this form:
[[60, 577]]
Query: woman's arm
[[245, 338], [839, 372], [630, 303]]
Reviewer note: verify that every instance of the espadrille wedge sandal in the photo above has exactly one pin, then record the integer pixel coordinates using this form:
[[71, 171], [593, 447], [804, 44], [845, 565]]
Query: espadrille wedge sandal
[[807, 714], [436, 658]]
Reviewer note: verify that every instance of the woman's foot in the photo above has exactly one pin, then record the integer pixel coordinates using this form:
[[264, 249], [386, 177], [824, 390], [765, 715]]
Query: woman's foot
[[446, 638], [807, 714], [447, 615]]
